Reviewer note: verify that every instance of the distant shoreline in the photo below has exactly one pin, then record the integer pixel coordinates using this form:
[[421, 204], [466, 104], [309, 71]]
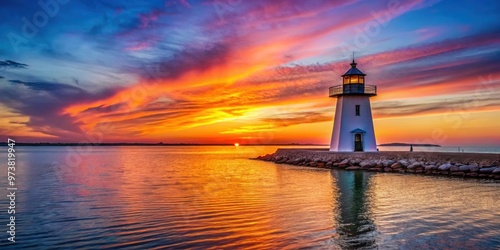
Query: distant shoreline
[[399, 144]]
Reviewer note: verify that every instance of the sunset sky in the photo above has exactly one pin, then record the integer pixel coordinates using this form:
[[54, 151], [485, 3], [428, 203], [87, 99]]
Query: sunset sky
[[242, 71]]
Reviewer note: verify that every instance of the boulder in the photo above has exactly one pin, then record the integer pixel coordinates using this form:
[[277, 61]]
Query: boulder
[[464, 168], [405, 163], [445, 167], [344, 163], [430, 167], [487, 170], [397, 165], [458, 173], [454, 169], [321, 164], [281, 160], [355, 161], [267, 157], [473, 168], [365, 164], [496, 171], [388, 163], [414, 165], [387, 169]]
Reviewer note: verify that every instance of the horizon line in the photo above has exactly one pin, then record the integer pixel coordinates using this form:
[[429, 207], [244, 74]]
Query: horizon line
[[151, 144]]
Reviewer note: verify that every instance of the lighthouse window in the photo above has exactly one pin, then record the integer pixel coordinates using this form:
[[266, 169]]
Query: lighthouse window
[[354, 79], [361, 79], [357, 110], [346, 79]]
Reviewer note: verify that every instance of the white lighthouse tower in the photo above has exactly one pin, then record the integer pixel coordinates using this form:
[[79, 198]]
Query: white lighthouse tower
[[353, 123]]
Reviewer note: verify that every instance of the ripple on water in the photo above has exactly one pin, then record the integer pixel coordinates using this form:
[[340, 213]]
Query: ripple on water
[[413, 211]]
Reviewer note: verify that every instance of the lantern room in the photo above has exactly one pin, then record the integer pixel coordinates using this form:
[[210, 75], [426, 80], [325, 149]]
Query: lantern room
[[354, 75], [353, 83]]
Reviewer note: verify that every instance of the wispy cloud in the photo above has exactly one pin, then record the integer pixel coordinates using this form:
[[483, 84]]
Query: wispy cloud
[[12, 64]]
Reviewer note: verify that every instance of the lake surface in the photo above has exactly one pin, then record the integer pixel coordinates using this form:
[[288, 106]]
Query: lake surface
[[215, 197]]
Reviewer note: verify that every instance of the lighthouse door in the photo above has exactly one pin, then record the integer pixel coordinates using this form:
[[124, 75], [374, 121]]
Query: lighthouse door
[[358, 142]]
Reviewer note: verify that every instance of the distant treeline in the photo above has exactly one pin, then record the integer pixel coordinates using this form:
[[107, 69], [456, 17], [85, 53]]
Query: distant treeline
[[409, 144]]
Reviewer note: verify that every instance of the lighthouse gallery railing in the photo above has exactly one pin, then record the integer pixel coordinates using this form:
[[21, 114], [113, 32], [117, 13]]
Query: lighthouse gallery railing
[[353, 89]]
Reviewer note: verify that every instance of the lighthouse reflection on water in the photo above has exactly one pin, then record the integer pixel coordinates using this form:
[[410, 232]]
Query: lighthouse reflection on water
[[354, 224]]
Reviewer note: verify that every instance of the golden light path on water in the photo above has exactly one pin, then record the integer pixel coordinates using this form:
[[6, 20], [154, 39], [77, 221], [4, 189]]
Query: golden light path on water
[[216, 197]]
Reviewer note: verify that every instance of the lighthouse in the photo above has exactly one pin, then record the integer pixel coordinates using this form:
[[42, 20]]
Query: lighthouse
[[353, 123]]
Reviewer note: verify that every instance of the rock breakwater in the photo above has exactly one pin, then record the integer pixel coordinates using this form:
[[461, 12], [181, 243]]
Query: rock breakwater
[[475, 165]]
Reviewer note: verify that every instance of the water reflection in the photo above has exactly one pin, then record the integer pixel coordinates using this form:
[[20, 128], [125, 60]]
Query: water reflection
[[355, 226]]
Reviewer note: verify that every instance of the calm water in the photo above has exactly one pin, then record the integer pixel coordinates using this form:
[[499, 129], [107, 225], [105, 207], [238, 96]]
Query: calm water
[[215, 197]]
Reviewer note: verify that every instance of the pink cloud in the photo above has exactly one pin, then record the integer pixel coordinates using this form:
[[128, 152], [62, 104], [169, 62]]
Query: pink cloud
[[139, 46], [426, 34], [418, 52], [147, 18]]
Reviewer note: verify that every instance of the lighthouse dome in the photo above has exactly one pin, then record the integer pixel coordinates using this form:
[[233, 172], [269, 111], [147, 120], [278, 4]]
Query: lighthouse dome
[[353, 70]]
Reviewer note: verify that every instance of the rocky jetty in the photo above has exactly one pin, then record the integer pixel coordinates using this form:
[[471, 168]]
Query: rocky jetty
[[476, 165]]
